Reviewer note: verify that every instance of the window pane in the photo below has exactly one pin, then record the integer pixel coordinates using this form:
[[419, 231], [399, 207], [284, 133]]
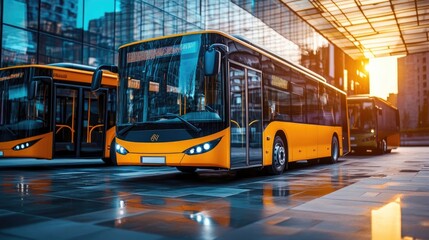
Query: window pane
[[326, 105], [52, 50], [62, 18], [97, 56], [19, 46], [99, 23], [312, 102], [21, 13]]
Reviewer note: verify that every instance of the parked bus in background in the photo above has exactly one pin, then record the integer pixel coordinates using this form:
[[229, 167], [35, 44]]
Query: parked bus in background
[[374, 124], [49, 111], [210, 100]]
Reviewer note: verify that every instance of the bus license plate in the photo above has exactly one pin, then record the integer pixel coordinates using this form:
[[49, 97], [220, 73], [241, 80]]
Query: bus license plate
[[153, 160]]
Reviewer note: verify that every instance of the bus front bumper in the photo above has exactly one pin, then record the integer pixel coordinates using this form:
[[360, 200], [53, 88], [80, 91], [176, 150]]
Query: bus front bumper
[[164, 154], [363, 141]]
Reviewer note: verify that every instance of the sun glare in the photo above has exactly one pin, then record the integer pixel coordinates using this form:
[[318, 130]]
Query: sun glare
[[383, 76]]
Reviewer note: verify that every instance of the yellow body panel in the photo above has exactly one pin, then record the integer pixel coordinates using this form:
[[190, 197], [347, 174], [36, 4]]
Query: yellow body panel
[[110, 134], [41, 149], [304, 141], [393, 141], [82, 76], [174, 154]]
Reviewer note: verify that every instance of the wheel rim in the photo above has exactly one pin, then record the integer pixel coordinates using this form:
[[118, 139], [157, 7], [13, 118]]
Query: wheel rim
[[335, 149], [384, 146], [279, 154]]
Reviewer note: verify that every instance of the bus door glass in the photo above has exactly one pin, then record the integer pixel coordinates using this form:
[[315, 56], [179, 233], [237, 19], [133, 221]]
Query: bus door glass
[[66, 120], [246, 116], [79, 121], [93, 127]]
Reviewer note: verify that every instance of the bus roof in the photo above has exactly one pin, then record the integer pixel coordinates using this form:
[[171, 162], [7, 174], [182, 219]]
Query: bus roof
[[248, 44], [70, 68], [363, 97], [74, 66]]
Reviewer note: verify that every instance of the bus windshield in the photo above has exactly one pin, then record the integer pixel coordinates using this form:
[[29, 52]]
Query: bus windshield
[[162, 83], [362, 116], [21, 117]]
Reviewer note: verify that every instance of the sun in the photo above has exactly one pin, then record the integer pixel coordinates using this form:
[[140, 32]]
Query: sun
[[383, 76]]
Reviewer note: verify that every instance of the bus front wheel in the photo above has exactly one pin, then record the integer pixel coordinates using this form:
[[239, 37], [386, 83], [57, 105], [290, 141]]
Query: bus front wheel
[[382, 147], [279, 159]]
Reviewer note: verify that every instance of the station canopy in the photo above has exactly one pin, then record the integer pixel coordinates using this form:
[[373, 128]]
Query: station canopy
[[369, 28]]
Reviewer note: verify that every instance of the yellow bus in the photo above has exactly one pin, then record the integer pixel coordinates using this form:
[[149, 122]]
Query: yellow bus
[[210, 100], [374, 124], [49, 111]]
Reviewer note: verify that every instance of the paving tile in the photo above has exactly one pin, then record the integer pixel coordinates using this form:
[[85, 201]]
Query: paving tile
[[75, 199]]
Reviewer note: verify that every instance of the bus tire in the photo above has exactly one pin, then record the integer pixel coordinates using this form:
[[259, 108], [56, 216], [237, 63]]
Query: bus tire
[[187, 169], [279, 158], [111, 161], [382, 147], [335, 150]]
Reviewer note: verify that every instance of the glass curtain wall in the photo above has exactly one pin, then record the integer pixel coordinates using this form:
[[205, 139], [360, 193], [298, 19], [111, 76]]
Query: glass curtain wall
[[90, 31]]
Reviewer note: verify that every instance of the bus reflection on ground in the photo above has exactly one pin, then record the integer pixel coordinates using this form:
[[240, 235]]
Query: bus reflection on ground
[[162, 215]]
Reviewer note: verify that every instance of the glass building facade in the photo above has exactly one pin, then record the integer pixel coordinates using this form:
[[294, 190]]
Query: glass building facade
[[90, 32]]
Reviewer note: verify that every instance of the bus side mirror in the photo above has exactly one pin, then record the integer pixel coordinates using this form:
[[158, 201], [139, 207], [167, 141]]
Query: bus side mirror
[[32, 87], [96, 80], [212, 60], [98, 75]]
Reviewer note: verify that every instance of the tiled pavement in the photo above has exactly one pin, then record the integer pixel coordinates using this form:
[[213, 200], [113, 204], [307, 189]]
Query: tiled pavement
[[361, 197]]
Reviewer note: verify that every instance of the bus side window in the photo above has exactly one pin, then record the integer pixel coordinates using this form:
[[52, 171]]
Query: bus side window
[[312, 101], [297, 105], [326, 97], [337, 108]]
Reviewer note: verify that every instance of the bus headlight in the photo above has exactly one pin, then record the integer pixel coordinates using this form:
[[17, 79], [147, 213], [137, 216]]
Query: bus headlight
[[121, 150], [24, 145], [202, 148]]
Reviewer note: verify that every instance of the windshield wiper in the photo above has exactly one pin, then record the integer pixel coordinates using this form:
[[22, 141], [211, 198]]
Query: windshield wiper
[[187, 123], [127, 128], [9, 130]]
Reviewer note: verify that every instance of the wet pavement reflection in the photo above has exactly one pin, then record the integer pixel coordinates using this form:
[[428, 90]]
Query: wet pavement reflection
[[361, 197]]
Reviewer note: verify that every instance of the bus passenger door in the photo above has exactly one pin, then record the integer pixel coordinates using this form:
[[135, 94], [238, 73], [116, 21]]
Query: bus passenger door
[[66, 105], [93, 126], [79, 122], [246, 116]]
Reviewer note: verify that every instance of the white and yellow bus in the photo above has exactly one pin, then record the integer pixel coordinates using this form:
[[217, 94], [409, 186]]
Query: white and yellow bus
[[210, 100], [49, 111]]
